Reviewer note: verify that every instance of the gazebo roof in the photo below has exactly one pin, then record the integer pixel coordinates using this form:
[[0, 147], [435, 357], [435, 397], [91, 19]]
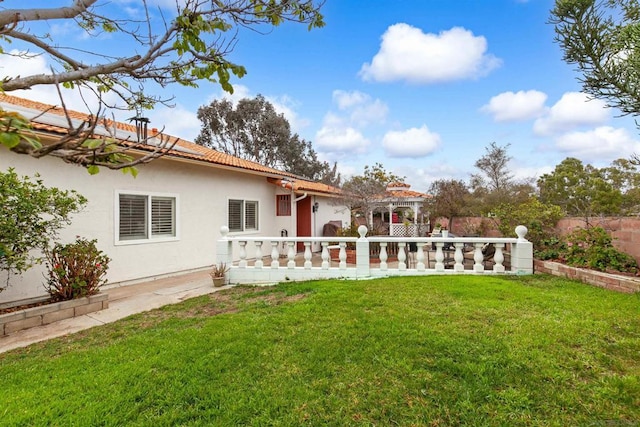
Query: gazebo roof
[[399, 191]]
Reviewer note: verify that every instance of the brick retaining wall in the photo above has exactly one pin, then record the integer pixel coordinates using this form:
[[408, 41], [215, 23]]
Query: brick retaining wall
[[596, 278], [49, 313]]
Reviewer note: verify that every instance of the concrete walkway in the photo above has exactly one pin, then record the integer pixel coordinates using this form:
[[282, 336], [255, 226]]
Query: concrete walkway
[[123, 301]]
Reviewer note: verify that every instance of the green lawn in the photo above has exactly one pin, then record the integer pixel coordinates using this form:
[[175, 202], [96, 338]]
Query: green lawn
[[422, 351]]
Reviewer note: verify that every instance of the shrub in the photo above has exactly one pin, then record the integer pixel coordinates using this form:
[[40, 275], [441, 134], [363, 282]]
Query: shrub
[[539, 218], [551, 248], [75, 270], [31, 216], [592, 247]]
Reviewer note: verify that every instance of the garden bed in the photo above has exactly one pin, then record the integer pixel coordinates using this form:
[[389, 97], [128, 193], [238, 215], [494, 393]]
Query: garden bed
[[44, 314], [614, 282]]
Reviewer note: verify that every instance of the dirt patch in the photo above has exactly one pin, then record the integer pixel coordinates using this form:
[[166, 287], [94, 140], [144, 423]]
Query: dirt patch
[[231, 301], [24, 306]]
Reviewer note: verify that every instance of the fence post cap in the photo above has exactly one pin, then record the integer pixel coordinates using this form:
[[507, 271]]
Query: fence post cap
[[521, 231], [362, 231]]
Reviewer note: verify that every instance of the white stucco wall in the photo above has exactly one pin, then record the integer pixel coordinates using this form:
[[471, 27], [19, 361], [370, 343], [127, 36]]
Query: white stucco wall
[[203, 194]]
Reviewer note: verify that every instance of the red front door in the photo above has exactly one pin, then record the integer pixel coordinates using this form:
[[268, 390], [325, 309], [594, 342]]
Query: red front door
[[303, 220]]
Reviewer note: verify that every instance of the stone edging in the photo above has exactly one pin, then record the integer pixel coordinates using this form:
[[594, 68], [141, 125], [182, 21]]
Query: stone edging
[[609, 281], [49, 313]]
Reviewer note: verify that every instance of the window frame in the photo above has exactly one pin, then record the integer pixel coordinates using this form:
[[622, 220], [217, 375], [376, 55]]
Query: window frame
[[281, 200], [243, 215], [151, 235]]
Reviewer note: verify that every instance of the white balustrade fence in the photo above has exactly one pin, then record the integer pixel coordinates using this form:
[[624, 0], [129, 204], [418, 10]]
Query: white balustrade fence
[[262, 260]]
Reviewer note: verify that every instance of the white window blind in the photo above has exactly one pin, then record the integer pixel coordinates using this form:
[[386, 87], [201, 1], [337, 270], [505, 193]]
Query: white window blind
[[133, 217], [146, 217], [251, 215], [235, 215], [163, 216], [243, 215]]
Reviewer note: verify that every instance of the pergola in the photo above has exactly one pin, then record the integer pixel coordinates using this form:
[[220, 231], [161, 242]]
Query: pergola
[[399, 195]]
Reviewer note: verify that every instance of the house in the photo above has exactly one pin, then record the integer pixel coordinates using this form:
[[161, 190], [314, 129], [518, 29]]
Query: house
[[167, 219]]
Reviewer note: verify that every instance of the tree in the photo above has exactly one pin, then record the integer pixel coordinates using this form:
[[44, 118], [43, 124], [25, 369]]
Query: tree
[[363, 192], [580, 190], [494, 164], [450, 199], [623, 175], [539, 218], [331, 176], [31, 216], [253, 130], [601, 39], [189, 44], [495, 184]]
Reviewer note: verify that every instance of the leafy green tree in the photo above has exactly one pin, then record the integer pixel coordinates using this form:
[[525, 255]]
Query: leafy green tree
[[253, 130], [363, 192], [623, 175], [450, 199], [601, 39], [184, 44], [31, 216], [539, 218], [580, 190]]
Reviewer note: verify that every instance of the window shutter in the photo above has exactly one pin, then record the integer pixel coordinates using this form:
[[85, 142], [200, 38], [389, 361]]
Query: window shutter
[[133, 217], [251, 215], [235, 215], [163, 216], [283, 205]]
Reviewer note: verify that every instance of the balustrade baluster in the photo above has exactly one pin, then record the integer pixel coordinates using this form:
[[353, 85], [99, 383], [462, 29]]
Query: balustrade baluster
[[275, 255], [325, 255], [307, 255], [291, 255], [458, 256], [478, 258], [498, 258], [343, 256], [420, 257], [383, 256], [258, 263], [402, 257], [243, 254], [439, 257]]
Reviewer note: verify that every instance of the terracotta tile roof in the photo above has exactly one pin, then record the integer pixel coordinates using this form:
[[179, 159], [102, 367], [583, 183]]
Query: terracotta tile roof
[[300, 185], [398, 184], [182, 149], [405, 194]]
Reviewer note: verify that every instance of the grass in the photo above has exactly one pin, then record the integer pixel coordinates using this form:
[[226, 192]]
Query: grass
[[432, 351]]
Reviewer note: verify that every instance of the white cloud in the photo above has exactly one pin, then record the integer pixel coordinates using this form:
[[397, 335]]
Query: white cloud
[[341, 132], [362, 109], [509, 106], [406, 53], [286, 106], [13, 66], [573, 110], [337, 140], [239, 92], [414, 142], [602, 144], [177, 121], [346, 100]]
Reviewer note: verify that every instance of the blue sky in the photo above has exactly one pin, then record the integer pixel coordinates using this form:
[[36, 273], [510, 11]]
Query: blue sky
[[421, 86]]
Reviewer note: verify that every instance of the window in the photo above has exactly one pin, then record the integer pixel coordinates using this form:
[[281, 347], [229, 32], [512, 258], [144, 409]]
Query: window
[[146, 217], [283, 205], [243, 215]]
